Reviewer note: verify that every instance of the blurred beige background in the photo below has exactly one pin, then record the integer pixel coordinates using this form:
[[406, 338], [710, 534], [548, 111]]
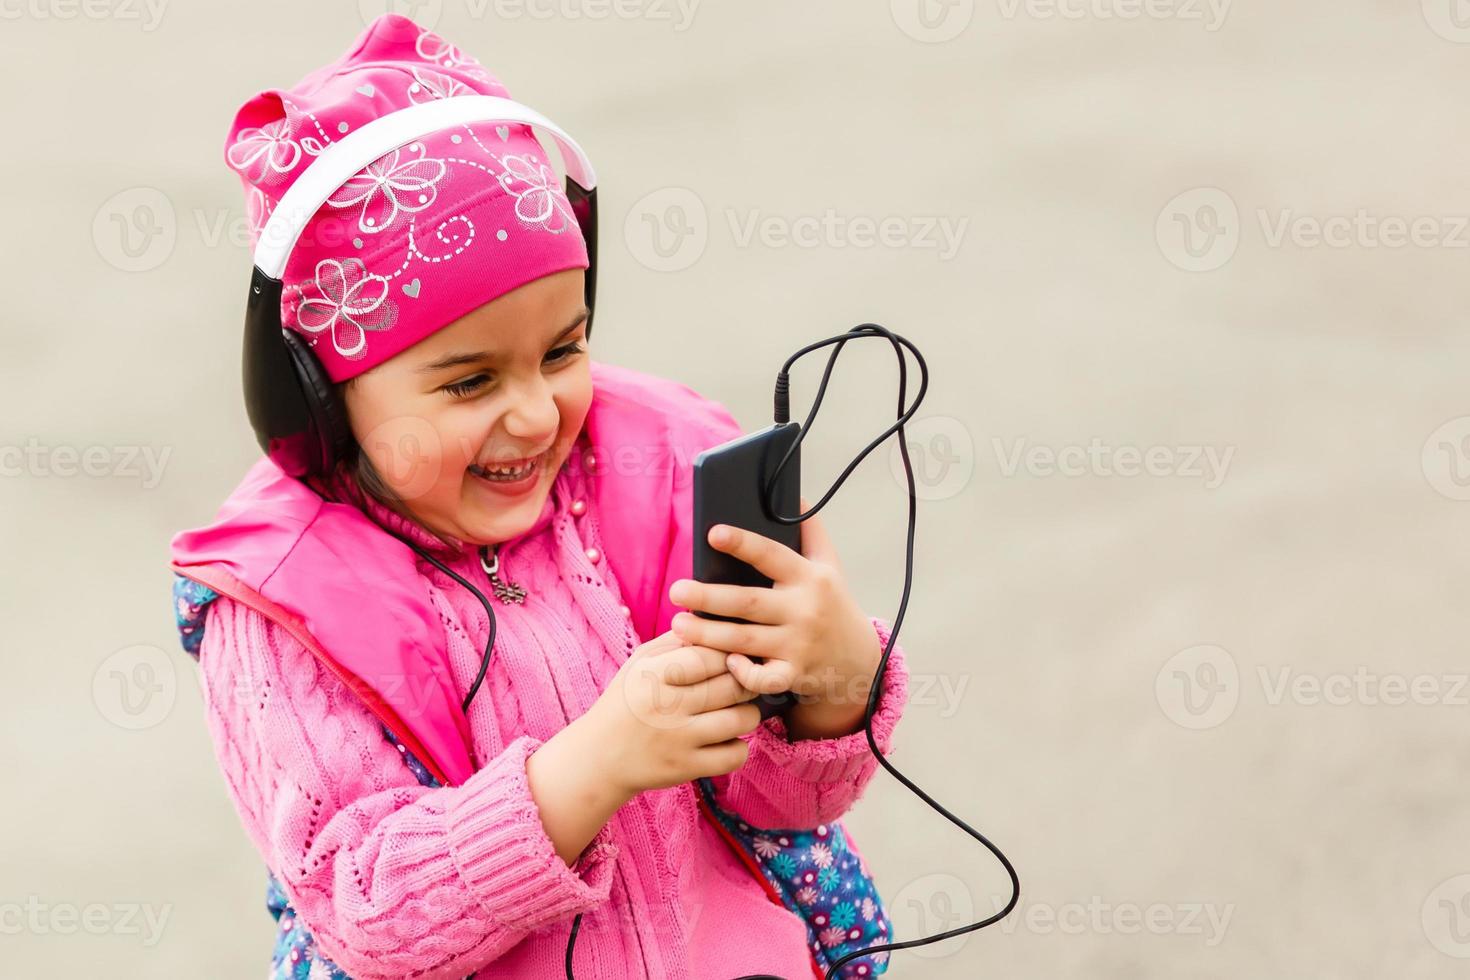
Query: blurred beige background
[[1186, 628]]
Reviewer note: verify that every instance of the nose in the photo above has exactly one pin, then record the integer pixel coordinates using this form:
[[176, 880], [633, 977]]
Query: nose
[[532, 418]]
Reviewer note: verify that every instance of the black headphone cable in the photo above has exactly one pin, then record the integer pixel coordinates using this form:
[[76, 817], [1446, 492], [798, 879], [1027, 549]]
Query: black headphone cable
[[783, 415]]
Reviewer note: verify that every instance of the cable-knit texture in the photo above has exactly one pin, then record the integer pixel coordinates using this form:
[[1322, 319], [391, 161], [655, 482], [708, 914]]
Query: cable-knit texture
[[394, 879]]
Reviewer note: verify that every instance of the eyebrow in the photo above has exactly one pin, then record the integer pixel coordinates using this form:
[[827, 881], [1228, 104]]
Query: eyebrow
[[461, 358]]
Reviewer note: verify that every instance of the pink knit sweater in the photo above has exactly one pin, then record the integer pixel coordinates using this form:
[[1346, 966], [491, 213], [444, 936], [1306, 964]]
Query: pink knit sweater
[[395, 879]]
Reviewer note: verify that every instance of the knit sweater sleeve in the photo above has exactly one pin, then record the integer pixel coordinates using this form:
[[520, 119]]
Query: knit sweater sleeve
[[392, 878], [797, 785]]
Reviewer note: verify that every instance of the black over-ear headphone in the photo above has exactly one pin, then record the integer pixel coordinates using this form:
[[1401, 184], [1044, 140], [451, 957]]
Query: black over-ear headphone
[[298, 419]]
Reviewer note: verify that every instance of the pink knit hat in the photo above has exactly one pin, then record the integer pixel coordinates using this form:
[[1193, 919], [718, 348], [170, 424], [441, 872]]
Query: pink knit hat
[[424, 234]]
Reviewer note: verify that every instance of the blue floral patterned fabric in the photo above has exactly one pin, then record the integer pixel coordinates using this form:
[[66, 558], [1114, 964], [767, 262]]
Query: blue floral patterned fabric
[[824, 882], [190, 602]]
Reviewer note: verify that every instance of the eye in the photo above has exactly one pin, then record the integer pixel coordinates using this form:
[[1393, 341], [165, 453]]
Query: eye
[[467, 387], [562, 353]]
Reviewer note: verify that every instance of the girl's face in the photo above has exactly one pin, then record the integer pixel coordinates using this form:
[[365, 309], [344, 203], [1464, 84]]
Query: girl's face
[[507, 385]]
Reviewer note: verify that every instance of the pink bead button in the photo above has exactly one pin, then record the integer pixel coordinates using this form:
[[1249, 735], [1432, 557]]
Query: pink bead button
[[591, 461], [593, 555], [626, 610], [579, 507]]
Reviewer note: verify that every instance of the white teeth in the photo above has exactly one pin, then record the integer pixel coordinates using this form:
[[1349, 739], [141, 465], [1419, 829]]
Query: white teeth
[[506, 472]]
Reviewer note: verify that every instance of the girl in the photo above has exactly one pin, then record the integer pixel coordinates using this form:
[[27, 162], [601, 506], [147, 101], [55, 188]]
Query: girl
[[438, 791]]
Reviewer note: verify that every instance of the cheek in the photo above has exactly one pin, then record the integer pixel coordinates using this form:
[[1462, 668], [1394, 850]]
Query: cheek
[[415, 451], [411, 453], [573, 399]]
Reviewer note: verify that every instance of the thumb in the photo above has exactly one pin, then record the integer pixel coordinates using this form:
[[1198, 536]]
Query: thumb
[[771, 677]]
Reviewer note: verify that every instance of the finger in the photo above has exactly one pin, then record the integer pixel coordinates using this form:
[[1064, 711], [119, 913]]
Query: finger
[[816, 544], [752, 603], [771, 558], [771, 677], [689, 665], [721, 692], [723, 757], [713, 727], [756, 639]]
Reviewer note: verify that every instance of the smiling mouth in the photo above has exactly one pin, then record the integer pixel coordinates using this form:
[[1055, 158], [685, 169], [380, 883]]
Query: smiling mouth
[[501, 473]]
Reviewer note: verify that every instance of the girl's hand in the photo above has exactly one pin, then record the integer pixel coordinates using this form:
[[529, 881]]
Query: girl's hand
[[672, 714], [816, 640]]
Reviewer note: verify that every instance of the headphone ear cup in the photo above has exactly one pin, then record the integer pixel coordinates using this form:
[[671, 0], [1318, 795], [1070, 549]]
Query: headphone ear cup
[[328, 414]]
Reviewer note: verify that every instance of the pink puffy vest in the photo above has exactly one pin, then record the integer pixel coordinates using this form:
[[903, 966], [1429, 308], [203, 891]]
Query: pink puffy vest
[[305, 563]]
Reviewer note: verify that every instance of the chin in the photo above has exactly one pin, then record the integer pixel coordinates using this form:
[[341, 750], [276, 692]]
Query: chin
[[490, 524]]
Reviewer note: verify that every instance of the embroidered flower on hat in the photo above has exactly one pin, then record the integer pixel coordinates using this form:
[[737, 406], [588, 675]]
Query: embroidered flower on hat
[[430, 85], [270, 146], [352, 302], [388, 185], [539, 198], [432, 47]]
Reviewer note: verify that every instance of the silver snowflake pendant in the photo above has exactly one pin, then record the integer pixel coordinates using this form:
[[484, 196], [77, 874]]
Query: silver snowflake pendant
[[506, 592]]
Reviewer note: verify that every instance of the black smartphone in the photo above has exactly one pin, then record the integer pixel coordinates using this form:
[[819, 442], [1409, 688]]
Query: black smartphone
[[728, 489]]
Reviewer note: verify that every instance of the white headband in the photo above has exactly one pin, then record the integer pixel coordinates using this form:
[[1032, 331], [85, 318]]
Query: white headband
[[344, 158]]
